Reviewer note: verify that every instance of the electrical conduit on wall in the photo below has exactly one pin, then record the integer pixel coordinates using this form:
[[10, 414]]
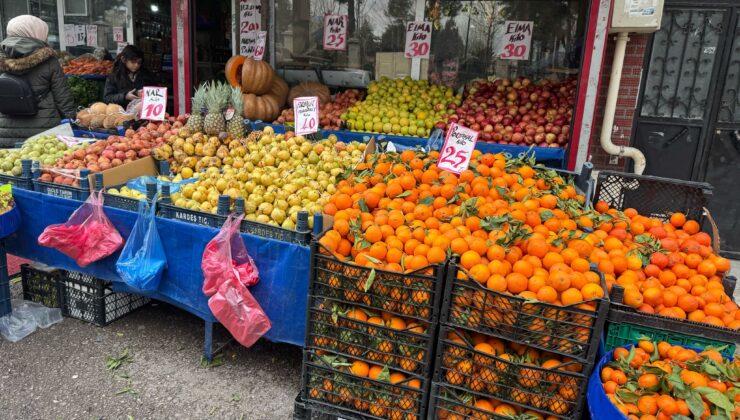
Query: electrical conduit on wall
[[611, 106]]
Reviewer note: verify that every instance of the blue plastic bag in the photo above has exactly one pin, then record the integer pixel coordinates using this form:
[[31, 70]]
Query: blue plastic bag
[[142, 260]]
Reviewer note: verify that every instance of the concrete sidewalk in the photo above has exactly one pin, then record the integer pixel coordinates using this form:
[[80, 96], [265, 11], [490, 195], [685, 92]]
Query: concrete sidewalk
[[61, 373]]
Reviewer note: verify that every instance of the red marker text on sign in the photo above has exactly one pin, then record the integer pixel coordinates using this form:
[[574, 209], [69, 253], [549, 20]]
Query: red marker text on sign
[[457, 149], [153, 103]]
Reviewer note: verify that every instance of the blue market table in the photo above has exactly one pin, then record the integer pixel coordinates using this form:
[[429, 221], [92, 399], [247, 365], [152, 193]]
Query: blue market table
[[283, 267]]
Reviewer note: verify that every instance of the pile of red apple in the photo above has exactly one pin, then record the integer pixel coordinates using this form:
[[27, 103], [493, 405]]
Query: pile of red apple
[[518, 112], [329, 113], [112, 152]]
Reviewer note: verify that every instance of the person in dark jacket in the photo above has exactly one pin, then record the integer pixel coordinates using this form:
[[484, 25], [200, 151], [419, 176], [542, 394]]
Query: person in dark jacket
[[25, 53], [127, 78]]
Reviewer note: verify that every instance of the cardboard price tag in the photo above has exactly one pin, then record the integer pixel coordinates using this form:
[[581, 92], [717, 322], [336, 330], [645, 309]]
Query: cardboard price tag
[[259, 46], [118, 34], [418, 39], [335, 32], [250, 15], [306, 115], [92, 35], [517, 40], [153, 103], [457, 149]]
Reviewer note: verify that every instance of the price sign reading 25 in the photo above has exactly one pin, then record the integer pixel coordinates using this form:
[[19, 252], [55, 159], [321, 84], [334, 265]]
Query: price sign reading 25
[[458, 149], [306, 115], [153, 103]]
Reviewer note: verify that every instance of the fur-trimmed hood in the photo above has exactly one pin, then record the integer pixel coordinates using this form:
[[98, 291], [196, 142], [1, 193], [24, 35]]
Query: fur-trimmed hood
[[19, 55]]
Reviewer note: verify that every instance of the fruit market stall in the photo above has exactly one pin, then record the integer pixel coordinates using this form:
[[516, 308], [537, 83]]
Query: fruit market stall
[[283, 266]]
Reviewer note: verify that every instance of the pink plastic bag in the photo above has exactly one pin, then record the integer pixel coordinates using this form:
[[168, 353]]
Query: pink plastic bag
[[239, 312], [87, 236], [226, 257]]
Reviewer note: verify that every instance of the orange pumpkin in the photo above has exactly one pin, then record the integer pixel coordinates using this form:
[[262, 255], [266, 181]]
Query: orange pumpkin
[[260, 107], [310, 89], [234, 70], [256, 76], [279, 89]]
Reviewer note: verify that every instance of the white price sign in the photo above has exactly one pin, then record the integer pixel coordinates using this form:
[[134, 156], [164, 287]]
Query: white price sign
[[92, 35], [517, 40], [458, 149], [306, 115], [250, 15], [259, 47], [153, 103], [418, 39], [79, 35], [335, 32], [248, 43], [118, 34], [69, 35], [120, 46]]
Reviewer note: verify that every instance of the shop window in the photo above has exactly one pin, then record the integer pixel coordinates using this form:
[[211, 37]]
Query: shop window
[[469, 40], [46, 10], [374, 27], [105, 15]]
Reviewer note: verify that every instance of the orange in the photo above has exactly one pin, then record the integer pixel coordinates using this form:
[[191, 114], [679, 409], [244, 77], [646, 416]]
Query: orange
[[516, 283], [360, 368], [547, 294]]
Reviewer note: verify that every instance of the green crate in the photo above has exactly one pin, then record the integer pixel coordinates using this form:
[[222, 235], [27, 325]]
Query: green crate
[[618, 335]]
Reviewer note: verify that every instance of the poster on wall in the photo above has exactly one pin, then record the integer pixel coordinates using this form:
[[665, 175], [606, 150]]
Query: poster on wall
[[79, 35], [516, 41], [69, 35], [250, 16], [335, 32], [118, 34], [418, 39]]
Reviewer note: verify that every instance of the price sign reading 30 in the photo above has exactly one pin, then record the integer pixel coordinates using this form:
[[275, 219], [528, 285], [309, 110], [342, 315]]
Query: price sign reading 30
[[306, 115], [153, 103], [418, 39], [458, 149]]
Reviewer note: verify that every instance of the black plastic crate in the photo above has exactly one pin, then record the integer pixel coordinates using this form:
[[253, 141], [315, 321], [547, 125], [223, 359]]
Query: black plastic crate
[[170, 211], [64, 191], [17, 181], [336, 390], [302, 411], [407, 348], [572, 331], [276, 232], [415, 295], [692, 332], [557, 391], [653, 196], [41, 285], [93, 300]]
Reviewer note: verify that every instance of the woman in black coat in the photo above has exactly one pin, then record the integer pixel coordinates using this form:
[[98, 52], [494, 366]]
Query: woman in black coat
[[127, 78], [25, 53]]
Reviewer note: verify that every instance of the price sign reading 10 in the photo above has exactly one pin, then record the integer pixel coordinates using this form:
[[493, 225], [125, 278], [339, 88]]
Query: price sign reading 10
[[153, 103]]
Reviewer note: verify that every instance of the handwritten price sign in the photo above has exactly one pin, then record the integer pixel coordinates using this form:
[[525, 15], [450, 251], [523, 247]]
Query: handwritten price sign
[[69, 35], [306, 115], [250, 15], [458, 149], [79, 35], [517, 40], [118, 34], [418, 39], [335, 32], [259, 47], [153, 103], [92, 35]]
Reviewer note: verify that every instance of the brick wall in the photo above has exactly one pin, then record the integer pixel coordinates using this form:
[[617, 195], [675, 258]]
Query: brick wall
[[628, 91]]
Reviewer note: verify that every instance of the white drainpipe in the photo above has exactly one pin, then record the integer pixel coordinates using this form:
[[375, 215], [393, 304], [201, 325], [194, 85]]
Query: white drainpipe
[[611, 106]]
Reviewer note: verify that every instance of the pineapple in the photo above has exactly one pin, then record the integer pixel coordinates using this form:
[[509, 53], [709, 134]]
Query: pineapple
[[195, 122], [236, 123], [216, 98]]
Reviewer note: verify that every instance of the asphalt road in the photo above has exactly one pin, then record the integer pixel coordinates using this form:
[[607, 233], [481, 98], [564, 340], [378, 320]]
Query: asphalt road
[[61, 372]]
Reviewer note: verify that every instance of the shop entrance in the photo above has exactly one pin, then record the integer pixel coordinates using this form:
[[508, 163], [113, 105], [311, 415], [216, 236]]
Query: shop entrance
[[688, 122], [212, 39]]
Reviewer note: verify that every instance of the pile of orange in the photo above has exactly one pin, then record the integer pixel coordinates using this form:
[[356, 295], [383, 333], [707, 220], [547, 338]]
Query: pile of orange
[[665, 268], [350, 388], [521, 229], [512, 372], [657, 382], [454, 407]]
